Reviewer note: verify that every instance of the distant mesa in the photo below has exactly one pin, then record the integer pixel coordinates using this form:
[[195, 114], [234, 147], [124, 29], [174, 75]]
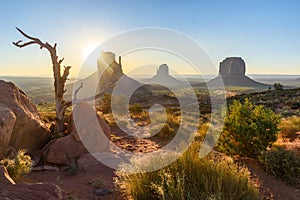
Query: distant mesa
[[233, 66], [163, 77], [107, 66], [111, 72], [232, 70]]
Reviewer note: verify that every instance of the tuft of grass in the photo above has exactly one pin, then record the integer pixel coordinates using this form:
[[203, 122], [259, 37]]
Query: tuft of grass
[[289, 128], [72, 168], [190, 178], [19, 163]]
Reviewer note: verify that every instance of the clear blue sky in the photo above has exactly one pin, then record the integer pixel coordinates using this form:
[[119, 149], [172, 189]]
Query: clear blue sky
[[265, 33]]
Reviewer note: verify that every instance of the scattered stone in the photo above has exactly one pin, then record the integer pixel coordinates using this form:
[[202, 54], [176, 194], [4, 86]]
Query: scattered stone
[[102, 192]]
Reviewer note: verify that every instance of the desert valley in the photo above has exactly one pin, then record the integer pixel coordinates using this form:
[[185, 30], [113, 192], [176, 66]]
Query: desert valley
[[131, 100]]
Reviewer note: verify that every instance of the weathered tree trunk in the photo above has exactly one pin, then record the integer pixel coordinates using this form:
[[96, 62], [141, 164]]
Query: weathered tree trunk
[[59, 80]]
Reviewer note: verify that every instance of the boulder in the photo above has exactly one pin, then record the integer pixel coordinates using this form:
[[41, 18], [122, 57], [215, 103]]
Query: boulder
[[32, 191], [62, 150], [28, 131], [7, 122], [90, 128]]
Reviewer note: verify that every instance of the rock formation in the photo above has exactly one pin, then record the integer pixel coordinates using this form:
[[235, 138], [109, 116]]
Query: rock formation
[[233, 66], [62, 150], [111, 72], [232, 71], [163, 77], [20, 123]]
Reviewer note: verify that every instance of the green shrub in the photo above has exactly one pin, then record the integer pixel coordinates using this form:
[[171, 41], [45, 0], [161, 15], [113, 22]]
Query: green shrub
[[282, 163], [289, 128], [190, 178], [136, 108], [248, 129], [162, 130], [21, 163]]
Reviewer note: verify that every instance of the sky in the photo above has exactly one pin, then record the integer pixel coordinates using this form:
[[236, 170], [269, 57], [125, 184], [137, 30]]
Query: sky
[[266, 34]]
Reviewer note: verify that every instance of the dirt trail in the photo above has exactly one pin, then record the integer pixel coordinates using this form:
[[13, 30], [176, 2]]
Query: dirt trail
[[270, 186]]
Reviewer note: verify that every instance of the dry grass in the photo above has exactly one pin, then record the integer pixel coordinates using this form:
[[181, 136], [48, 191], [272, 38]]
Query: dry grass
[[190, 178]]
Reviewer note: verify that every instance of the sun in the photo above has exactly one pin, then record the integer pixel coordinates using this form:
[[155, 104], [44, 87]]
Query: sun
[[88, 49]]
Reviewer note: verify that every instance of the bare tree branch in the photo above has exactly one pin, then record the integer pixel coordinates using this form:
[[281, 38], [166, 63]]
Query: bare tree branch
[[59, 80], [61, 60]]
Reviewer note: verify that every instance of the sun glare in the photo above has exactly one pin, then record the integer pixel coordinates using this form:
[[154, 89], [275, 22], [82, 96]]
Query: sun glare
[[88, 49]]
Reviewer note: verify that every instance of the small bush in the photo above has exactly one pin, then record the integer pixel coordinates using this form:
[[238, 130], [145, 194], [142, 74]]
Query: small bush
[[190, 178], [289, 128], [278, 86], [19, 164], [282, 163], [136, 108], [248, 129]]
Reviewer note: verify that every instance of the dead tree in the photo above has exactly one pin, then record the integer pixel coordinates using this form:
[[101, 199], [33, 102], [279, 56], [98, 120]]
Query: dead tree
[[60, 78]]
